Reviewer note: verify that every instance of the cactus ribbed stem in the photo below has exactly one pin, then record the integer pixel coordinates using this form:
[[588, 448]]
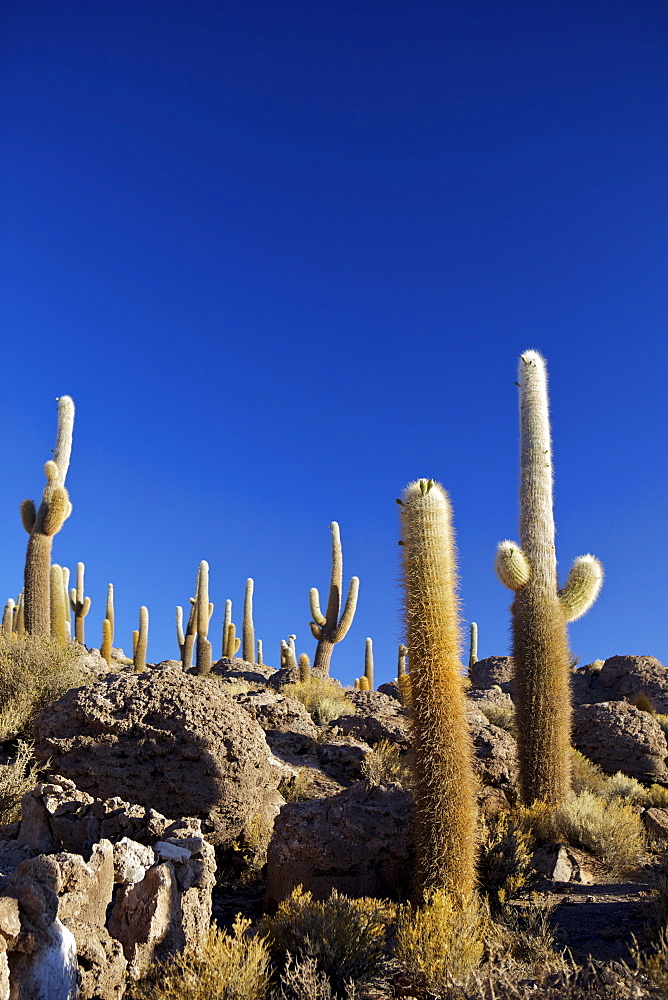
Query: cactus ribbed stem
[[107, 636], [226, 624], [445, 786], [59, 609], [109, 610], [473, 651], [259, 652], [142, 641], [248, 632], [80, 605], [204, 610], [8, 619], [304, 668], [401, 660], [368, 662], [329, 629]]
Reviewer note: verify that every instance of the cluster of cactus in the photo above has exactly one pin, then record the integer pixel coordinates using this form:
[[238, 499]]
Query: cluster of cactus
[[195, 638]]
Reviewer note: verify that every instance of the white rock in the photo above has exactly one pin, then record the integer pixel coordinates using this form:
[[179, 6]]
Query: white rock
[[170, 852]]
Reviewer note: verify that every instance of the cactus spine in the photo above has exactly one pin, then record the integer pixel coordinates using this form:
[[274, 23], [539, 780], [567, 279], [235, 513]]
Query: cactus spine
[[203, 612], [368, 662], [80, 605], [445, 786], [473, 651], [42, 524], [248, 632], [539, 611], [329, 629], [304, 668], [139, 647]]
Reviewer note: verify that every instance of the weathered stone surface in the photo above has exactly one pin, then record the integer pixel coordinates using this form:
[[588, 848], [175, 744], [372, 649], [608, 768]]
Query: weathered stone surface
[[357, 842], [619, 737], [656, 822], [131, 861], [235, 669], [86, 886], [102, 964], [341, 758], [373, 702], [277, 712], [495, 749], [372, 729], [391, 689], [493, 670], [626, 676], [561, 863], [163, 739]]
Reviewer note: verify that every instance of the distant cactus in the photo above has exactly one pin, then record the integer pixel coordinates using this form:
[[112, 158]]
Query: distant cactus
[[65, 573], [19, 612], [540, 612], [203, 612], [328, 629], [42, 524], [232, 643], [105, 648], [445, 784], [289, 652], [80, 605], [227, 620], [248, 632], [8, 619], [368, 662], [304, 668], [135, 640], [259, 652], [109, 609], [401, 662], [473, 652], [356, 684], [141, 644], [60, 611], [363, 684]]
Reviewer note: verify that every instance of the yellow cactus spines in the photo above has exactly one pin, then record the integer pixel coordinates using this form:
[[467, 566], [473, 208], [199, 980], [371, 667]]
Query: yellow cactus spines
[[404, 685], [79, 604], [107, 634], [19, 612], [582, 587], [231, 642], [511, 565], [304, 668], [140, 646], [539, 611], [203, 612], [368, 662], [135, 640], [59, 608], [363, 684], [445, 785], [8, 619], [43, 523], [248, 632], [329, 629]]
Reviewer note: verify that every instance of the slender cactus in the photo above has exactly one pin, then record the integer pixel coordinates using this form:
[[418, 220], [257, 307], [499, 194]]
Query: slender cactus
[[60, 610], [80, 605], [289, 652], [473, 652], [139, 657], [259, 652], [135, 640], [248, 632], [368, 662], [304, 668], [401, 660], [203, 612], [227, 621], [43, 523], [445, 786], [540, 611], [109, 610], [107, 636], [65, 573], [329, 629], [232, 643], [356, 684], [8, 619], [20, 616]]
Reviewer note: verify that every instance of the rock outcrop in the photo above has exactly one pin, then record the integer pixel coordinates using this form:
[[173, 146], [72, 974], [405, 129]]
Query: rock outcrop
[[619, 737], [165, 740], [493, 670], [627, 676]]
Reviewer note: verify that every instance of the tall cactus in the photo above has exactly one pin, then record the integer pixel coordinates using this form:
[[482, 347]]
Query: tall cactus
[[8, 619], [203, 612], [329, 629], [141, 644], [42, 524], [80, 605], [109, 609], [540, 611], [107, 639], [248, 632], [445, 786], [368, 662], [473, 650]]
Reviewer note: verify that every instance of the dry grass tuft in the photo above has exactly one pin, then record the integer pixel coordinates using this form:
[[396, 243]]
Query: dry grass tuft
[[34, 672], [346, 938], [502, 716], [299, 787], [385, 765], [440, 945], [586, 776], [225, 967], [323, 698], [611, 831], [17, 778], [643, 702]]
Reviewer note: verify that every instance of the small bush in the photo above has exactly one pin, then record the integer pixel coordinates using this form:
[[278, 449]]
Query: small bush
[[298, 787], [595, 668], [347, 938], [621, 786], [441, 944], [643, 702], [505, 870], [656, 796], [385, 765], [34, 672], [525, 937], [322, 697], [611, 831], [585, 775], [502, 716], [303, 981], [16, 778], [225, 967]]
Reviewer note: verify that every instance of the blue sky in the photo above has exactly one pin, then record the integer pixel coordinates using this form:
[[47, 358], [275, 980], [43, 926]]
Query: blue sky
[[284, 257]]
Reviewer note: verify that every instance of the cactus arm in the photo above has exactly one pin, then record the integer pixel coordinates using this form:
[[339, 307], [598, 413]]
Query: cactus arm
[[28, 515], [63, 448], [180, 637], [189, 638], [316, 631], [582, 587], [336, 579], [511, 565], [316, 613], [348, 611], [248, 630]]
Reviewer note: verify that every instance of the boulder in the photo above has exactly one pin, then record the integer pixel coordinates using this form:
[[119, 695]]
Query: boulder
[[277, 712], [495, 760], [358, 842], [627, 676], [163, 739], [493, 670], [391, 689], [656, 823], [371, 729], [233, 668], [619, 737]]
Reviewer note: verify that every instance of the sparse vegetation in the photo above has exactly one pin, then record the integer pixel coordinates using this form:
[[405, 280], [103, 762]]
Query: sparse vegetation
[[643, 702], [502, 716], [323, 698], [16, 778], [385, 764], [505, 869], [298, 787]]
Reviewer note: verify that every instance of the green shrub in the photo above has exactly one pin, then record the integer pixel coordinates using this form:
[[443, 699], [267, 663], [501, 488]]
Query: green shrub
[[34, 672], [347, 938], [611, 831], [224, 967]]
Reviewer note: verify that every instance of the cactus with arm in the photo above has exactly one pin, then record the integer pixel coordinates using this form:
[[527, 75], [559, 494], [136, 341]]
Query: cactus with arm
[[43, 523], [329, 629], [540, 611], [445, 784], [80, 605]]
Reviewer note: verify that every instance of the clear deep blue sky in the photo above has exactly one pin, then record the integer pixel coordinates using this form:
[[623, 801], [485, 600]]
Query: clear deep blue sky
[[284, 257]]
